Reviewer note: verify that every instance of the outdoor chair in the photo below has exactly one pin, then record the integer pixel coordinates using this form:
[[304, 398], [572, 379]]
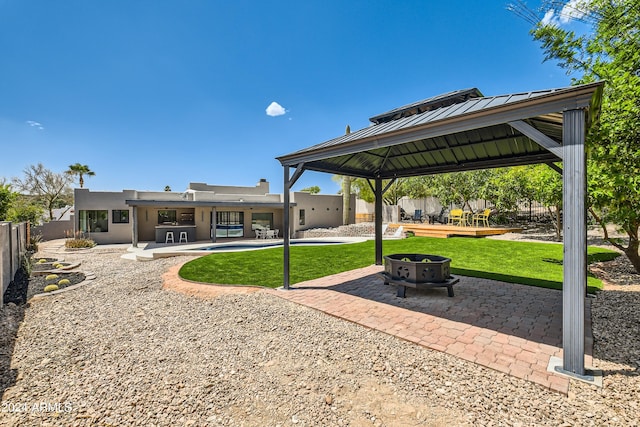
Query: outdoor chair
[[439, 217], [482, 217], [417, 215], [456, 217]]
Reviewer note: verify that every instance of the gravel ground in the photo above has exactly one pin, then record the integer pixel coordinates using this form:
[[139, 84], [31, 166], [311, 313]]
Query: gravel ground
[[123, 352]]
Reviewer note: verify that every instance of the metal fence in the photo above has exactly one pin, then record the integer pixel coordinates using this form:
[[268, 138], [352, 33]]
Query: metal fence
[[13, 247], [526, 212]]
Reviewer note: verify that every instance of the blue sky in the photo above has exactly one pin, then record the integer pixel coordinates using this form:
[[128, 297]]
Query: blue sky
[[150, 93]]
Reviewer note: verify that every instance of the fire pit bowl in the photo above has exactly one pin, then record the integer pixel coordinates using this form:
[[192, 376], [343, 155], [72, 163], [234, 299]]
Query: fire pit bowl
[[418, 271], [417, 268]]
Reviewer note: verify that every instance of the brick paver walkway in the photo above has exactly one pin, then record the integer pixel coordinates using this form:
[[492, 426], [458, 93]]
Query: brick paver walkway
[[511, 328]]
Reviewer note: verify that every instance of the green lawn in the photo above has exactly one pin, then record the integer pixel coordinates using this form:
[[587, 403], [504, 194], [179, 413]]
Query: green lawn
[[537, 264]]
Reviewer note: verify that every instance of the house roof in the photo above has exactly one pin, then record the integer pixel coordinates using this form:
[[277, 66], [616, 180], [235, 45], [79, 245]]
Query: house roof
[[456, 131], [202, 203]]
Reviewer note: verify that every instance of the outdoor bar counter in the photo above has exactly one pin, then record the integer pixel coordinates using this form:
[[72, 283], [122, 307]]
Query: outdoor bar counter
[[161, 232]]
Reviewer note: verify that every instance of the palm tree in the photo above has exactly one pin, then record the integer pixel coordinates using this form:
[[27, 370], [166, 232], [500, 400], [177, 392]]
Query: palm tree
[[80, 171]]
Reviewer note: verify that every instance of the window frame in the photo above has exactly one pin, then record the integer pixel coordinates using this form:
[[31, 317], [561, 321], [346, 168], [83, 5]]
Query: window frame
[[93, 220], [117, 216]]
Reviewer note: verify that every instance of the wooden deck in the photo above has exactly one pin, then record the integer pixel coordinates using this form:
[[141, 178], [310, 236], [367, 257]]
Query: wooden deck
[[444, 231]]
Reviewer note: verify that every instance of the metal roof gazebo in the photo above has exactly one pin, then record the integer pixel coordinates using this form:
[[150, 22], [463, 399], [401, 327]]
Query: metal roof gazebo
[[461, 131]]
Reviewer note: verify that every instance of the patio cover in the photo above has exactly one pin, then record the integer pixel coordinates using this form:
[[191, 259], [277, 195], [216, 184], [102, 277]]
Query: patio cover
[[461, 131]]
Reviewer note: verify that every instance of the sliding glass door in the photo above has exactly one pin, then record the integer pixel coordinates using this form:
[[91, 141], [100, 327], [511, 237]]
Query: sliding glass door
[[229, 224]]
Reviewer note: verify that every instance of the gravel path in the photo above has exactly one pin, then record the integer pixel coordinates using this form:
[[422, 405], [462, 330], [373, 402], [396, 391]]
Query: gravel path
[[123, 352]]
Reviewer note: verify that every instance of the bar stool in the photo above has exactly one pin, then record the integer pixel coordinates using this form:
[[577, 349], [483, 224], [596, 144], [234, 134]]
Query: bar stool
[[183, 235], [169, 237]]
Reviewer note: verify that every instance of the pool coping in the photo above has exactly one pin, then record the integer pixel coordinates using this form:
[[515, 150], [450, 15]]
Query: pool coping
[[149, 251]]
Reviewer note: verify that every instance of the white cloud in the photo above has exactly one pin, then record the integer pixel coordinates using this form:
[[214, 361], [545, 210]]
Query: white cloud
[[549, 18], [274, 109], [35, 124], [573, 9]]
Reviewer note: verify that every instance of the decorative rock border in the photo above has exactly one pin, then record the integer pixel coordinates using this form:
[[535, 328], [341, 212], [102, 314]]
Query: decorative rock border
[[64, 269], [88, 277]]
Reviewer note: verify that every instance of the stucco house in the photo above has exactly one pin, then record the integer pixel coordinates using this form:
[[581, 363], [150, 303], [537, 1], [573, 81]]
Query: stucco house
[[202, 212]]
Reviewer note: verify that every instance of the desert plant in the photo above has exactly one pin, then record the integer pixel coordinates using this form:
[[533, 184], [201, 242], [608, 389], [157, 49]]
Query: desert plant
[[79, 243], [57, 265], [51, 288], [64, 282], [42, 261], [34, 241], [27, 264], [51, 277]]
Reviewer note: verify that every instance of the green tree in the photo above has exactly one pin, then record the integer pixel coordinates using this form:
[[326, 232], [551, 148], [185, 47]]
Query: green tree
[[457, 188], [547, 185], [314, 189], [80, 171], [7, 198], [363, 190], [49, 189], [609, 51], [25, 209]]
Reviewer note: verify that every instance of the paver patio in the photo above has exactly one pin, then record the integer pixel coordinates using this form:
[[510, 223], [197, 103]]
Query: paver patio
[[507, 327]]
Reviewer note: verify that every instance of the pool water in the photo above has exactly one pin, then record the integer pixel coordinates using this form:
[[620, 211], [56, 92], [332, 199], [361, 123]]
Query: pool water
[[246, 246]]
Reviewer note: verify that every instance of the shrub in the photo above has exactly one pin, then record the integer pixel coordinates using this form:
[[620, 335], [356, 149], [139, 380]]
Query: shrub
[[64, 282], [51, 288], [27, 264], [51, 277], [78, 243], [34, 241]]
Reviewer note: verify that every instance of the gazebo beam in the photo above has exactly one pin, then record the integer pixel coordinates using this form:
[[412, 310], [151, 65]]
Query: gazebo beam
[[537, 136], [555, 167]]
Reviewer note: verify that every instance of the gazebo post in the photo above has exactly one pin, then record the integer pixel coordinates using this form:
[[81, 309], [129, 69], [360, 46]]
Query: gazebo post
[[378, 220], [285, 232], [575, 242]]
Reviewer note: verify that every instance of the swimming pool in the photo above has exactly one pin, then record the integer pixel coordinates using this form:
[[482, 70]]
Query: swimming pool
[[223, 247]]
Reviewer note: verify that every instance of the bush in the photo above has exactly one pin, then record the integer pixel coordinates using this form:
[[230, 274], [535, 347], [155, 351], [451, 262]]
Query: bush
[[78, 243], [34, 241], [51, 288], [27, 264]]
